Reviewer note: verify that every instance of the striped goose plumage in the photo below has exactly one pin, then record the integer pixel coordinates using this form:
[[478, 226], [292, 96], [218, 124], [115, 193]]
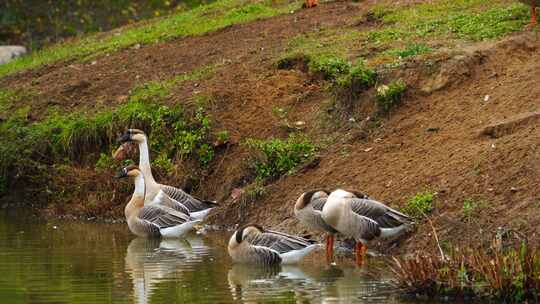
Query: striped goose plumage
[[253, 244]]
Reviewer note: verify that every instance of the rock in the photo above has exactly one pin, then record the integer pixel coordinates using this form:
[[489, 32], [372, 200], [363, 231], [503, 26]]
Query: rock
[[510, 125], [10, 52]]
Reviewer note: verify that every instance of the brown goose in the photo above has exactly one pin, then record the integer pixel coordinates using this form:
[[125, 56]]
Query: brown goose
[[254, 245], [362, 219], [152, 220], [156, 193]]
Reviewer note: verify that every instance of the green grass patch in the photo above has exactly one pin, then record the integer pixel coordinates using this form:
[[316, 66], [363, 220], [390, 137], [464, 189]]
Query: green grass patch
[[200, 20], [465, 19], [413, 49], [419, 205], [175, 133], [388, 96], [277, 157]]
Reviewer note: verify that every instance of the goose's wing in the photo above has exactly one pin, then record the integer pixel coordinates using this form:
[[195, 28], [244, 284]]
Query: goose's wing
[[318, 203], [266, 256], [191, 203], [385, 216], [279, 241], [366, 228], [162, 217], [164, 200]]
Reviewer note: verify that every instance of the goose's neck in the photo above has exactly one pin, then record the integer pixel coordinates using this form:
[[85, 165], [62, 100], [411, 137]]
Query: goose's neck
[[137, 200], [144, 161]]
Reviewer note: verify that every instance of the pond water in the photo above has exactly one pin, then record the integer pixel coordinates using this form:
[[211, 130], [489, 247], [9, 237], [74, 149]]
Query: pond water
[[85, 262], [35, 23]]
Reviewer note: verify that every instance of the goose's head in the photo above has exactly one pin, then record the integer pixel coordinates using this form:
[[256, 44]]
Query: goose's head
[[305, 199], [242, 233], [129, 171], [132, 135]]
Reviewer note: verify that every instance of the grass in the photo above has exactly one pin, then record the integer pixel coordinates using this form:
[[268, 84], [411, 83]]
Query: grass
[[509, 275], [411, 50], [175, 133], [278, 157], [388, 96], [420, 204], [200, 20]]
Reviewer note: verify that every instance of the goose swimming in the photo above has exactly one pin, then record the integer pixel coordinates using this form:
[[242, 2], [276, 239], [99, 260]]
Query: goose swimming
[[255, 245], [363, 219], [152, 220], [156, 193]]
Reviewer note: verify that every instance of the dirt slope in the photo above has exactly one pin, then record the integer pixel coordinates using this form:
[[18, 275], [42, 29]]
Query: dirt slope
[[432, 141]]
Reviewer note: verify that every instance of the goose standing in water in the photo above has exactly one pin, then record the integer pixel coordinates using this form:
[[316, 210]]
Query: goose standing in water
[[152, 220], [308, 210], [156, 193], [362, 219], [252, 244]]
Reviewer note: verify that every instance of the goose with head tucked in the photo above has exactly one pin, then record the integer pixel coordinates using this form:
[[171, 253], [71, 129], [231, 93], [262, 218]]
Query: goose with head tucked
[[152, 220], [158, 193], [355, 215], [308, 210], [252, 244]]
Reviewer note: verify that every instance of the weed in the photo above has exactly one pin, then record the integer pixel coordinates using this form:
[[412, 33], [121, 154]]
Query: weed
[[508, 275], [390, 95], [278, 157], [420, 204], [223, 136], [469, 207], [329, 66], [252, 192], [411, 50], [358, 78]]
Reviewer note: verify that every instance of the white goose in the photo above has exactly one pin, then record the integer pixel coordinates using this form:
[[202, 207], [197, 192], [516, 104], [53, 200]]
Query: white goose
[[362, 219], [152, 220], [156, 193], [252, 244]]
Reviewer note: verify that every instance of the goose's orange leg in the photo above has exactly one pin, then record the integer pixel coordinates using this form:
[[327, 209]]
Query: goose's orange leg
[[329, 248], [361, 250], [534, 18]]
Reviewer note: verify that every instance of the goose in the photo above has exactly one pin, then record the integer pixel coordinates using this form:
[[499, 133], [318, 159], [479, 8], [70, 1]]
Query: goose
[[152, 220], [156, 193], [363, 219], [308, 209], [534, 4], [252, 244]]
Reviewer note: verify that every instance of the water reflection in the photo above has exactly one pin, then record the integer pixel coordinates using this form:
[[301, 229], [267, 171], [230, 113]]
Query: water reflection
[[150, 261], [308, 284]]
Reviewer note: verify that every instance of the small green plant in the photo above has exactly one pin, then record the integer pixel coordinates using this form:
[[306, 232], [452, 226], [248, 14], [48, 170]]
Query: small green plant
[[330, 66], [223, 136], [411, 50], [358, 78], [469, 207], [104, 163], [390, 95], [164, 163], [419, 205], [278, 157]]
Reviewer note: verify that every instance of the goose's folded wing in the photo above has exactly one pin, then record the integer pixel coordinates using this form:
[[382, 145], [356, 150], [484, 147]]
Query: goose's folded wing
[[318, 203], [279, 241], [266, 255], [367, 228], [191, 203], [385, 216], [162, 216], [164, 200]]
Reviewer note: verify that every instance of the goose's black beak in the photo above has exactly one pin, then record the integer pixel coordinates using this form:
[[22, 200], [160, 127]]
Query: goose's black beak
[[124, 138], [121, 174]]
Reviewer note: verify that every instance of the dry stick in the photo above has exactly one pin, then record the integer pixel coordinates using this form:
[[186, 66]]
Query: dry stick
[[434, 234]]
